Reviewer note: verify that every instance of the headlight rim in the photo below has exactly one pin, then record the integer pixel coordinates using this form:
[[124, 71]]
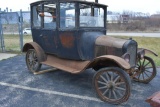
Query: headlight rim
[[126, 57], [141, 54]]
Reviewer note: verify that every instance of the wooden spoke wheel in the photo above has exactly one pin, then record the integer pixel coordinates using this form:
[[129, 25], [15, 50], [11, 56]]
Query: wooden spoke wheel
[[145, 70], [32, 61], [112, 85]]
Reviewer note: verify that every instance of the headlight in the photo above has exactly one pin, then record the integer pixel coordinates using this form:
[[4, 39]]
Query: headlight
[[126, 57], [141, 54]]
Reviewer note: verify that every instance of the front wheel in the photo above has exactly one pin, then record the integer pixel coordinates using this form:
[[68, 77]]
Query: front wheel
[[32, 61], [145, 70], [112, 85]]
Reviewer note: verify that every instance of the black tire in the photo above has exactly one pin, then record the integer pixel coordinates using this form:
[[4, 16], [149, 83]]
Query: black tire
[[112, 85], [145, 70], [25, 33], [32, 61]]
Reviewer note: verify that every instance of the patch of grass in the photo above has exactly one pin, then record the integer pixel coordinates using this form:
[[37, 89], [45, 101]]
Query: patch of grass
[[12, 42], [151, 43]]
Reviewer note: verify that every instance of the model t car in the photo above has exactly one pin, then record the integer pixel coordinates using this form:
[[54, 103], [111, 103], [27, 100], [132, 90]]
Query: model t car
[[70, 35]]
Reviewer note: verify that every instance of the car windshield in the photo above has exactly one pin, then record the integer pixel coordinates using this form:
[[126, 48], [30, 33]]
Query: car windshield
[[27, 29], [91, 16]]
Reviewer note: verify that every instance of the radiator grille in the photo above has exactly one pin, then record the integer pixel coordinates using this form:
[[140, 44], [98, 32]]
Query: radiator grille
[[132, 51]]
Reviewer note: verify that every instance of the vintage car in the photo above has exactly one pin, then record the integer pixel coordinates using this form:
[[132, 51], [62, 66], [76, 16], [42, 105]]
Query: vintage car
[[70, 35]]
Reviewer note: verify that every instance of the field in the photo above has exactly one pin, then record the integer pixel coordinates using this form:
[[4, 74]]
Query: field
[[12, 44]]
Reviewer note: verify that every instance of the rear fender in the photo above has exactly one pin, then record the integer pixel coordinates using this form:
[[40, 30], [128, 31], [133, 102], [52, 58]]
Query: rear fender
[[108, 61], [40, 52], [147, 51]]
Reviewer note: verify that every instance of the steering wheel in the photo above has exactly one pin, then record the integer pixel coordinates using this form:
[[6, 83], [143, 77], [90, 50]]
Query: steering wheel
[[92, 22]]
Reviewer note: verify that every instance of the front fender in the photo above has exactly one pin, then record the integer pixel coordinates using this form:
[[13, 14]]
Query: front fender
[[147, 51], [109, 60], [40, 53]]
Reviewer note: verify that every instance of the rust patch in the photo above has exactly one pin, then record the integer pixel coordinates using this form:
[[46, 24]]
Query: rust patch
[[67, 39], [46, 41], [154, 100]]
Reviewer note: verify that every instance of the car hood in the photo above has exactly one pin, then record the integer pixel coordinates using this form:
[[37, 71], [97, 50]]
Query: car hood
[[110, 41]]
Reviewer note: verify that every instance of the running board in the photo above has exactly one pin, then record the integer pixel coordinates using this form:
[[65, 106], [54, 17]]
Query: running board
[[44, 71], [71, 66]]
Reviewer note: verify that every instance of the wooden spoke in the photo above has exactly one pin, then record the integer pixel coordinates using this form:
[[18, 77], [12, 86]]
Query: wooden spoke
[[146, 64], [120, 88], [112, 76], [118, 93], [107, 77], [114, 94], [109, 94], [116, 79], [146, 74], [103, 78], [120, 83], [148, 67], [105, 91], [102, 82], [148, 71], [103, 87], [143, 62], [143, 75]]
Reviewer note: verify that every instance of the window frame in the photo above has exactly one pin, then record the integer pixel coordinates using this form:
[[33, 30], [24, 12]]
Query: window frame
[[97, 6], [59, 26], [41, 4]]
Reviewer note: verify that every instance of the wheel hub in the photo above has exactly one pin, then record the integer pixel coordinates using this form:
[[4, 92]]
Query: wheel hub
[[141, 68], [111, 85]]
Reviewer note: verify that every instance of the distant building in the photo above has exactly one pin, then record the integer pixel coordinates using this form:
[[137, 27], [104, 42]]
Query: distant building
[[13, 17], [124, 18], [26, 16], [9, 17], [157, 16], [117, 18]]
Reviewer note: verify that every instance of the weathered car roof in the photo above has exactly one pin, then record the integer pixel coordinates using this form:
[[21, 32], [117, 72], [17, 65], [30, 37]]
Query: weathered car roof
[[83, 1]]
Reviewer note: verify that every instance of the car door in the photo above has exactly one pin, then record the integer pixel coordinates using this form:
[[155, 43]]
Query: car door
[[67, 32], [44, 26]]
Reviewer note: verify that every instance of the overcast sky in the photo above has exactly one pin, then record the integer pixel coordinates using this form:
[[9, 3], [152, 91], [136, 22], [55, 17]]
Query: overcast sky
[[146, 6]]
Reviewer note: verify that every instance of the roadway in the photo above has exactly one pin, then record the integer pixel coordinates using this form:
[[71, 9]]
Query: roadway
[[20, 88], [135, 34]]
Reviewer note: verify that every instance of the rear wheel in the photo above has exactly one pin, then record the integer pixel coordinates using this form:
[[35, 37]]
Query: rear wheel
[[145, 70], [112, 85], [32, 61]]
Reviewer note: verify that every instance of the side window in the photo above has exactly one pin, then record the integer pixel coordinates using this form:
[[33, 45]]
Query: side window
[[44, 16], [67, 15], [36, 18], [91, 16], [50, 16]]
